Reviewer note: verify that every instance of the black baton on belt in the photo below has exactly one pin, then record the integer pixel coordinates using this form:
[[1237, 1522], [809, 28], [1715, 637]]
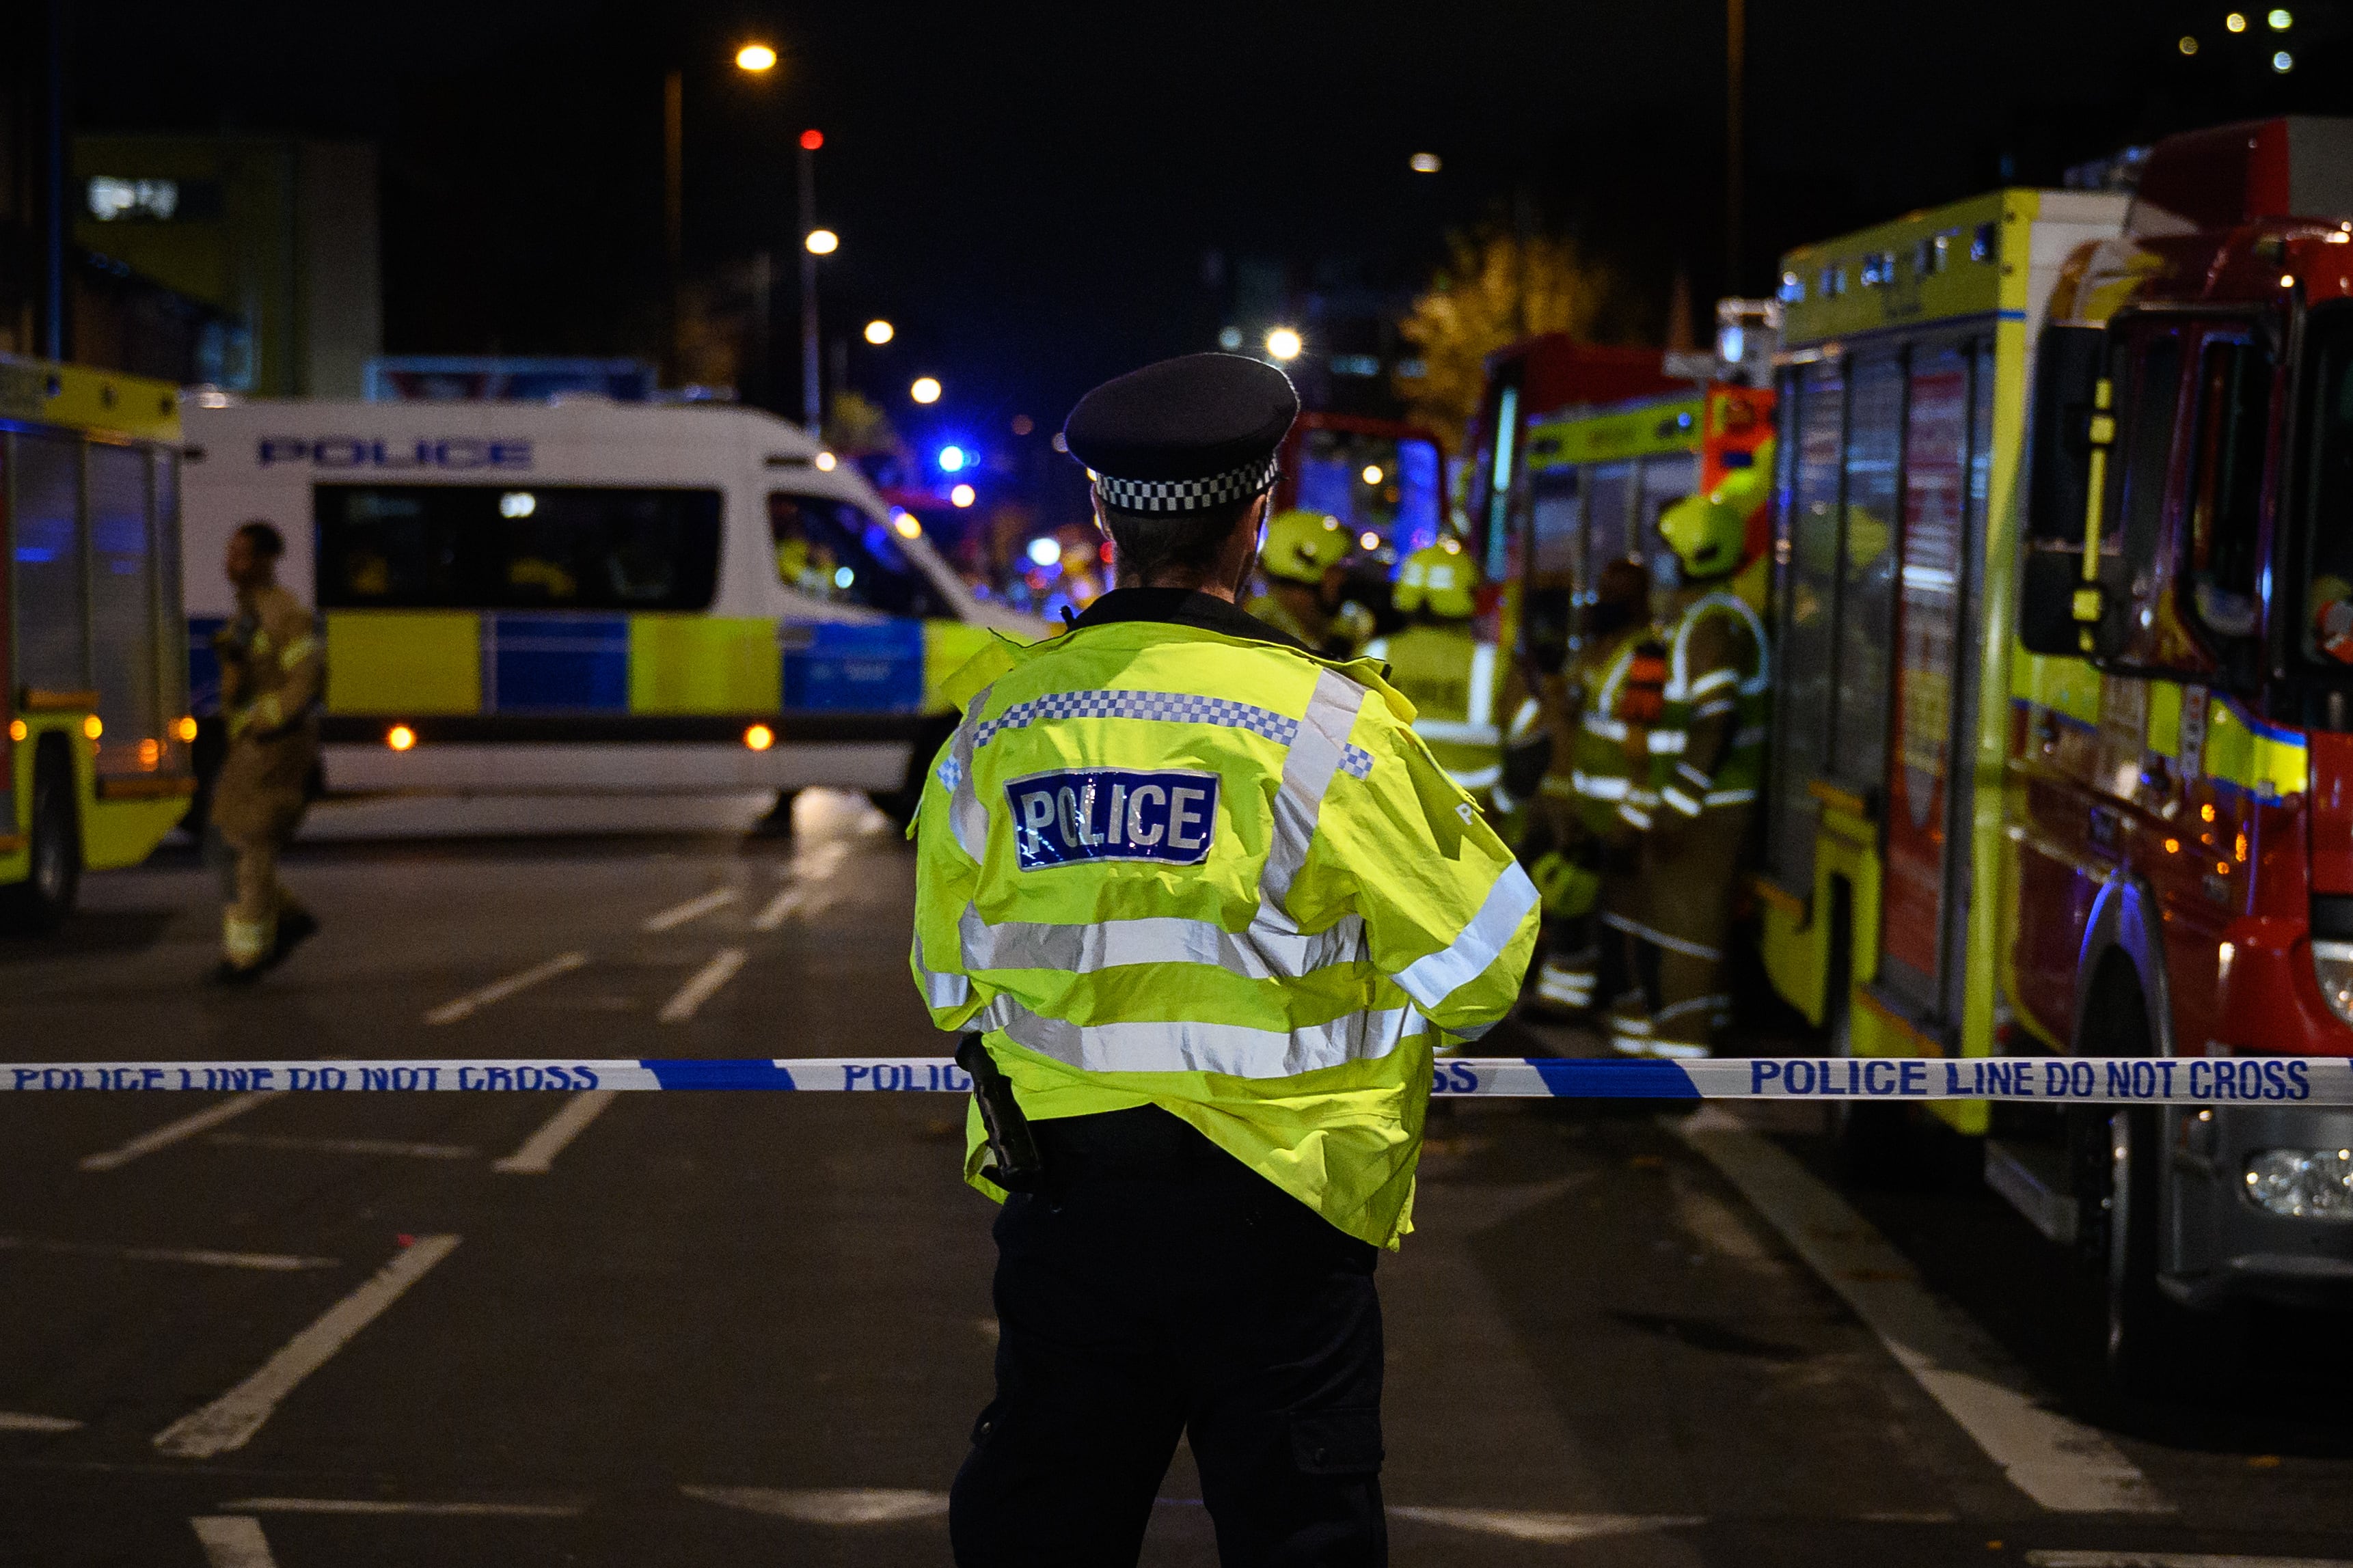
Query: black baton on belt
[[1015, 1163]]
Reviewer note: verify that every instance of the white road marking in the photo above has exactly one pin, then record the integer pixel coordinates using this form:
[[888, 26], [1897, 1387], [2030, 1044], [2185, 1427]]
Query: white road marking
[[285, 1262], [773, 913], [172, 1132], [2063, 1464], [472, 1002], [819, 861], [230, 1421], [1522, 1524], [231, 1541], [379, 1505], [17, 1421], [693, 908], [2173, 1560], [705, 982], [838, 1505], [539, 1151], [344, 1145]]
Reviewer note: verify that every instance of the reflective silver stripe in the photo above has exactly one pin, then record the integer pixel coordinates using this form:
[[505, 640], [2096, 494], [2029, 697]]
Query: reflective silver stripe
[[1730, 796], [1635, 816], [1482, 684], [1264, 951], [1711, 710], [1692, 1005], [1598, 786], [1234, 1050], [1608, 729], [1711, 680], [1456, 730], [1476, 778], [1679, 801], [1692, 775], [1431, 980], [1669, 742], [941, 990], [1525, 720], [1679, 681], [966, 816], [1317, 751], [1673, 943]]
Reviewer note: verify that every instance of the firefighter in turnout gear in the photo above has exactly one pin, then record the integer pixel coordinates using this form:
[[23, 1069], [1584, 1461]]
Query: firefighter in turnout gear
[[1706, 759], [1443, 670], [1304, 558], [273, 675], [1614, 683], [1208, 901]]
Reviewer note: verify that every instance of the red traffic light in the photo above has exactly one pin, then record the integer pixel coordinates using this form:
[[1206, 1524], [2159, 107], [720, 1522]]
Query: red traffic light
[[812, 140]]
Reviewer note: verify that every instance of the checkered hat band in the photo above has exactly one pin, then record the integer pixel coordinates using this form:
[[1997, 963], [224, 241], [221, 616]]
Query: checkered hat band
[[1185, 495]]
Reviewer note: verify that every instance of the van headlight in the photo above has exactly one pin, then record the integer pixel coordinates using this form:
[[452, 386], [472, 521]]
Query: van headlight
[[2332, 965], [2301, 1183]]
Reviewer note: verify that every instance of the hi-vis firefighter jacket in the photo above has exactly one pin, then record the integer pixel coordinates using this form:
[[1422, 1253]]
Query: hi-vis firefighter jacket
[[1165, 861], [1707, 749]]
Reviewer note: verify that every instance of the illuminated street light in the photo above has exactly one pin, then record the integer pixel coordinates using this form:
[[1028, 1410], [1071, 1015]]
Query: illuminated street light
[[2280, 21], [880, 331], [952, 460], [1425, 163], [825, 461], [925, 390], [2236, 22], [905, 525], [1372, 473], [963, 495], [1283, 343], [822, 242], [812, 139], [756, 57], [2283, 62], [1369, 540], [1044, 552], [2188, 45]]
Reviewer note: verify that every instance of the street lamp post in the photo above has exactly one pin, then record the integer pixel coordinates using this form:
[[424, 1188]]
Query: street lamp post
[[812, 409]]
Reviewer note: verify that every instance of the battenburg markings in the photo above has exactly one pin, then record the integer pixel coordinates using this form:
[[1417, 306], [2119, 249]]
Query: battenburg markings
[[2081, 1080], [1079, 815]]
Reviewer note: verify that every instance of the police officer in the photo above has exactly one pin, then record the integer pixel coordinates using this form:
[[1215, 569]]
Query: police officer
[[1304, 560], [273, 673], [1443, 670], [1706, 760], [1211, 903]]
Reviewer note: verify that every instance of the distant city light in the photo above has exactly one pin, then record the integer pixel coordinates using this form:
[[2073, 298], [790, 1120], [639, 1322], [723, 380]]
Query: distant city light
[[518, 503], [1230, 338], [812, 140], [756, 57], [843, 576], [1425, 162], [1283, 343], [1044, 552], [2188, 45], [1023, 425], [822, 242], [2283, 62], [2280, 21], [825, 461], [903, 523], [880, 331], [2236, 22], [925, 390], [952, 460], [963, 495], [1373, 473], [1369, 540]]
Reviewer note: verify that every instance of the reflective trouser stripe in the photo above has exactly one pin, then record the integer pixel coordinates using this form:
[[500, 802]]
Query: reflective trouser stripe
[[1673, 943], [1233, 1050], [1598, 786], [247, 943]]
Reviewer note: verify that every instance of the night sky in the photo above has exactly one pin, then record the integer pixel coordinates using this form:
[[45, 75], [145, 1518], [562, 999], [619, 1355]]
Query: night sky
[[1030, 192]]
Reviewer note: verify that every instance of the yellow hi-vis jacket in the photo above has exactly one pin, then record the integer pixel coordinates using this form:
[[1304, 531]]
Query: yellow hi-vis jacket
[[1170, 861], [1449, 676]]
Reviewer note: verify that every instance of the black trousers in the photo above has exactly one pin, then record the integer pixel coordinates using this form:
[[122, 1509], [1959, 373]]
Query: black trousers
[[1161, 1288]]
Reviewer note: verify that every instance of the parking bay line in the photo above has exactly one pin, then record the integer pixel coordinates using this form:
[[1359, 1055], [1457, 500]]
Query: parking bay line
[[703, 986], [230, 1421], [472, 1002], [18, 1421], [382, 1505], [231, 1541], [538, 1151], [2173, 1560], [344, 1145], [172, 1132], [693, 908], [274, 1262], [2063, 1464]]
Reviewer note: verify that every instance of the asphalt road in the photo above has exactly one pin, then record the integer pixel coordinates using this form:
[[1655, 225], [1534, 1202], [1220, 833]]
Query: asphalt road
[[703, 1328]]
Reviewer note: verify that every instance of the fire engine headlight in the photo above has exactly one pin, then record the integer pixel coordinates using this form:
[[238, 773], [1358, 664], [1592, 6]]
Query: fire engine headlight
[[2301, 1183], [2332, 963]]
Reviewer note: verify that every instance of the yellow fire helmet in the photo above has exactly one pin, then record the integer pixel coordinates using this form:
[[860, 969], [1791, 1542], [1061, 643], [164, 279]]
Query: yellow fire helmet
[[1708, 533], [1438, 578], [1300, 544]]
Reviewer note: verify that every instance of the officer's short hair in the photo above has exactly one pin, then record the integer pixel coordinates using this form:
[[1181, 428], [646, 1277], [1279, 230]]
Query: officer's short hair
[[1151, 542], [263, 537]]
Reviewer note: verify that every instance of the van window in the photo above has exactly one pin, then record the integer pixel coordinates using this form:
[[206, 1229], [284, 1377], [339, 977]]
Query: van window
[[830, 549], [494, 547], [52, 606]]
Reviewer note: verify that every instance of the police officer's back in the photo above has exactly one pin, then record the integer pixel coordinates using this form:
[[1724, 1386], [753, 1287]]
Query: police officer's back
[[1209, 899]]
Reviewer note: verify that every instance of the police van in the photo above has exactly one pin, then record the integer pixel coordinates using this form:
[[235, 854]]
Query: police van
[[586, 595]]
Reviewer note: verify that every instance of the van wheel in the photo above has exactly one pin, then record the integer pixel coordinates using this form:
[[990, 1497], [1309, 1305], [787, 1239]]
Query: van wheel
[[40, 904]]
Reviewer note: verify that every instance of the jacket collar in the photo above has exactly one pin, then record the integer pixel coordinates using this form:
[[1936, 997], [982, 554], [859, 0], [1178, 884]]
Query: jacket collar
[[1182, 608]]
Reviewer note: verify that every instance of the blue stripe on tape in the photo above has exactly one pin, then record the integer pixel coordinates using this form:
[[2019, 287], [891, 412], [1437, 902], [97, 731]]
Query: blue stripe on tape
[[741, 1072], [1576, 1079]]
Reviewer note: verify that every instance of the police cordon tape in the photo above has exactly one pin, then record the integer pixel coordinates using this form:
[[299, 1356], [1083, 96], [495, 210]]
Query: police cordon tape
[[2132, 1080]]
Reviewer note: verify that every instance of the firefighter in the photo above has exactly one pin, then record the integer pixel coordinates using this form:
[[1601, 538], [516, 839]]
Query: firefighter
[[1304, 560], [1441, 666], [1201, 889], [1588, 865], [1706, 760], [272, 674]]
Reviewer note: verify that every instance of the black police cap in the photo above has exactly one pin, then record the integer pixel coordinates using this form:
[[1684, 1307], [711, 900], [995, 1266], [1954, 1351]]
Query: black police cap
[[1184, 435]]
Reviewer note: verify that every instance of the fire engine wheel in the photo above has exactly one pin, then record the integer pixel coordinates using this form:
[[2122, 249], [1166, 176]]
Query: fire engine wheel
[[40, 904]]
